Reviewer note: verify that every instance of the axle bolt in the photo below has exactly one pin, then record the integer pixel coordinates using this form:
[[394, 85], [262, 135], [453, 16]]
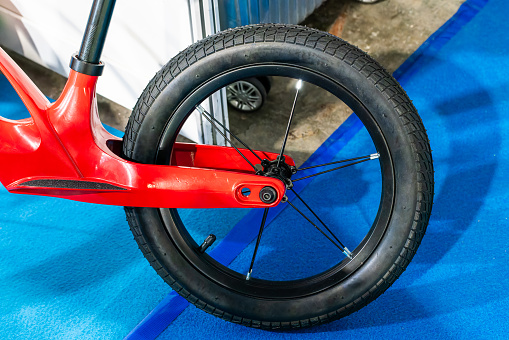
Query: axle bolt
[[268, 195]]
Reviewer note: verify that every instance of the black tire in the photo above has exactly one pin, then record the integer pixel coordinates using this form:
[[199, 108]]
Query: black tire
[[267, 83], [397, 133]]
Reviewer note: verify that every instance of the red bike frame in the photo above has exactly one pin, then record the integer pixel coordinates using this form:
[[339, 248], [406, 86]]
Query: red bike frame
[[64, 151]]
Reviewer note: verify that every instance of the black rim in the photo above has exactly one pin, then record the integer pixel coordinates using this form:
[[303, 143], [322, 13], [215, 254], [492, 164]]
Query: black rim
[[232, 280]]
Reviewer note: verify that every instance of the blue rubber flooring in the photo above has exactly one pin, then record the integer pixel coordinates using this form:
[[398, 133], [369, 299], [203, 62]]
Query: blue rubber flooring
[[72, 271]]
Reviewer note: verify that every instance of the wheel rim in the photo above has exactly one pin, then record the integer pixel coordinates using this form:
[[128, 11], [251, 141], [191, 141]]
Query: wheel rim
[[244, 96], [277, 288]]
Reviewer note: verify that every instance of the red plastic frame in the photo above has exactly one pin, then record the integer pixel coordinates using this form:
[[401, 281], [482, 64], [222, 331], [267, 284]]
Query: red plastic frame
[[64, 151]]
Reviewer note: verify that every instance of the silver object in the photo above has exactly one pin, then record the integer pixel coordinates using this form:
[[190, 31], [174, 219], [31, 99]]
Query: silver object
[[244, 96]]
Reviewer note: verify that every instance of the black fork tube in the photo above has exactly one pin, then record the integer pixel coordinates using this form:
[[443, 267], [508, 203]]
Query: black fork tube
[[95, 33], [93, 39]]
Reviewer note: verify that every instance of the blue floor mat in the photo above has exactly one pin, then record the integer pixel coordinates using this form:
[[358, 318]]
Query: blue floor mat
[[455, 287], [68, 270], [71, 270]]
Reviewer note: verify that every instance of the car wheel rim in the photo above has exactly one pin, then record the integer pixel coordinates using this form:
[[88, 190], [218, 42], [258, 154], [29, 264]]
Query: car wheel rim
[[244, 96]]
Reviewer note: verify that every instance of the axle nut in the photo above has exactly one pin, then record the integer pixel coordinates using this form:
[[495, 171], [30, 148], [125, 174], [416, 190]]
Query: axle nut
[[268, 195]]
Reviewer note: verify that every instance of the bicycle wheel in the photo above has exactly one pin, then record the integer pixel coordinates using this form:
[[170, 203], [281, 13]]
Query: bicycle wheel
[[357, 207]]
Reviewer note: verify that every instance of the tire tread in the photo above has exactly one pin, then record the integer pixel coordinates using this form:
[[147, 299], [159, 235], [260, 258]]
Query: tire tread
[[358, 60]]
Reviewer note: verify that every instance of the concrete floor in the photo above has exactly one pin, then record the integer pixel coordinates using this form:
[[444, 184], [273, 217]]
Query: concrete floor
[[390, 31]]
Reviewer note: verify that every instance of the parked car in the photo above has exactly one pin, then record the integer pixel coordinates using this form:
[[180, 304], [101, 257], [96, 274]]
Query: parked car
[[248, 95]]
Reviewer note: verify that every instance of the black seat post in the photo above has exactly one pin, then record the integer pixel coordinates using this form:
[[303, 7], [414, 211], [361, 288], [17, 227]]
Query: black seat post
[[88, 60]]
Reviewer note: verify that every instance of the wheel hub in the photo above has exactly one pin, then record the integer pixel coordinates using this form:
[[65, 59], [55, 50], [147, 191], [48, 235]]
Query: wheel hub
[[281, 171]]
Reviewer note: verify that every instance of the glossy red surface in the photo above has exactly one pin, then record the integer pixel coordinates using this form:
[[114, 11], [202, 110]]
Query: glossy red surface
[[66, 141]]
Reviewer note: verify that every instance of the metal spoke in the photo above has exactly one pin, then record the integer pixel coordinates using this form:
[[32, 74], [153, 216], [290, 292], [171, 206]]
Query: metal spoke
[[343, 249], [297, 86], [372, 156], [250, 90], [200, 109], [233, 89], [318, 218], [340, 167], [262, 226], [204, 112]]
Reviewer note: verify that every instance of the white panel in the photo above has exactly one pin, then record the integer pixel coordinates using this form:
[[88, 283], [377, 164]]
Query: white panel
[[140, 40]]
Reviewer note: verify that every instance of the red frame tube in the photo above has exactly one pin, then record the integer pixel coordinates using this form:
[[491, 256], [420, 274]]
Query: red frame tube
[[64, 151]]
